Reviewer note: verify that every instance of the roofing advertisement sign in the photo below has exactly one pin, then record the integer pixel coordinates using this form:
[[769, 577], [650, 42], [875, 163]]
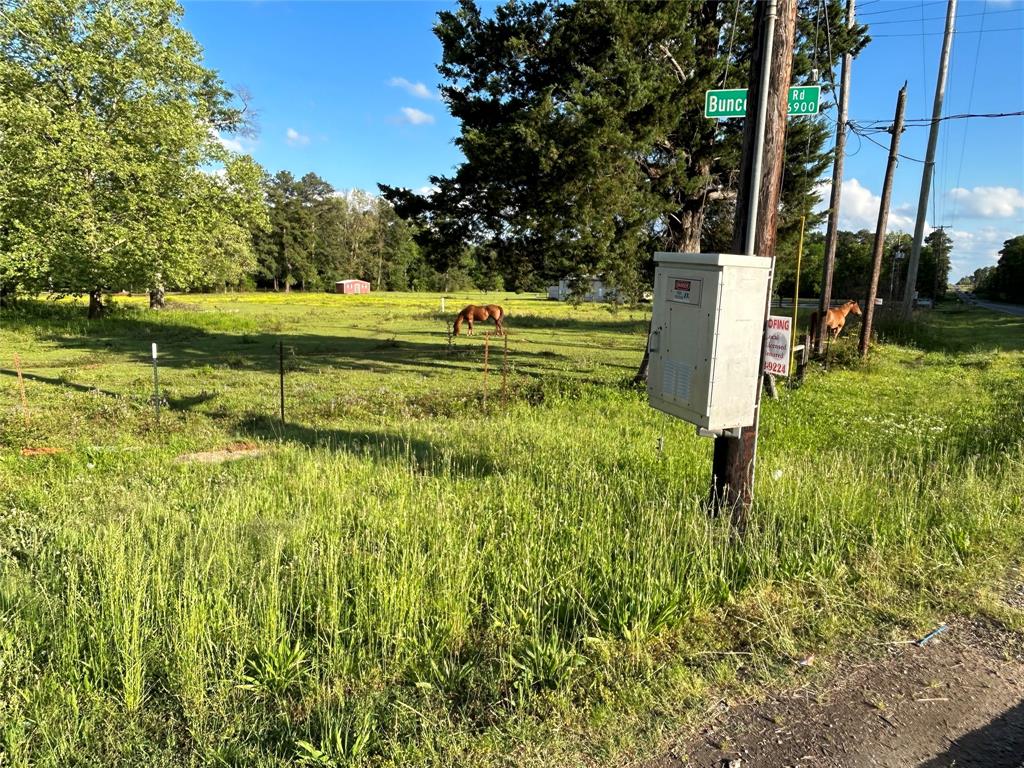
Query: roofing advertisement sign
[[778, 340]]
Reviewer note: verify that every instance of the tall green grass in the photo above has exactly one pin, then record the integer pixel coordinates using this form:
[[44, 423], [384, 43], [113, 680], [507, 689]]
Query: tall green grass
[[442, 586]]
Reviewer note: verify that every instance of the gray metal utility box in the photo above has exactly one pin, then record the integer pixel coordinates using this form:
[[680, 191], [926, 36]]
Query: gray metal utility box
[[706, 335]]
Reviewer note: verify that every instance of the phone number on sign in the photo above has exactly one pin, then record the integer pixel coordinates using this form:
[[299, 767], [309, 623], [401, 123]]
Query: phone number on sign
[[771, 367]]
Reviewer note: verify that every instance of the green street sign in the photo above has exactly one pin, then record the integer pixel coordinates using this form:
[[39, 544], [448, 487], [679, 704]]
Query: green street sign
[[803, 100], [732, 102]]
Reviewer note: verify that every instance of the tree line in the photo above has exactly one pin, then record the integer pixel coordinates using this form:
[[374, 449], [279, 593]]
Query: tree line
[[317, 235], [853, 265], [582, 127]]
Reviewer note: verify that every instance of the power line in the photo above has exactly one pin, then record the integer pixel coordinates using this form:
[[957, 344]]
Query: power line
[[959, 32], [940, 18], [897, 10], [870, 138], [922, 122]]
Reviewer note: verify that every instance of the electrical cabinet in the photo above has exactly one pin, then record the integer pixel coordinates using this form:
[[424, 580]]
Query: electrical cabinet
[[706, 335]]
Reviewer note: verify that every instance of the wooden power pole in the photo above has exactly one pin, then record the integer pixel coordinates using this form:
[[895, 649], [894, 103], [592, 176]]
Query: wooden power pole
[[832, 229], [883, 219], [734, 457], [929, 164]]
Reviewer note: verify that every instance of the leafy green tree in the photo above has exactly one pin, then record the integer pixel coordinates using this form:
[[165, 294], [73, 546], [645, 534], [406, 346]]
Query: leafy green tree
[[853, 264], [981, 280], [109, 129], [1006, 281], [810, 268], [396, 249]]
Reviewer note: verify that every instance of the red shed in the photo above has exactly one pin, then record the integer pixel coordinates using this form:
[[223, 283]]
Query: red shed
[[352, 286]]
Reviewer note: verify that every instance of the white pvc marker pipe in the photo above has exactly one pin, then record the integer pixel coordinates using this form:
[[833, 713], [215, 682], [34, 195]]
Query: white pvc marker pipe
[[156, 386]]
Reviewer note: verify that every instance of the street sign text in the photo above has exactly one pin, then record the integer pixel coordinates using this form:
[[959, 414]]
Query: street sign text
[[732, 102]]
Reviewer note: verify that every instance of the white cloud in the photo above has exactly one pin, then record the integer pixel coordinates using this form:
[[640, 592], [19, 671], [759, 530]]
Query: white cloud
[[413, 89], [858, 208], [426, 191], [972, 248], [229, 143], [233, 145], [976, 248], [415, 117], [295, 138], [987, 202]]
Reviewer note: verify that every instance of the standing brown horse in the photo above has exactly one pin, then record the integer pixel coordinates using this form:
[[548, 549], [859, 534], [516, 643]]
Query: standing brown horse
[[480, 314], [835, 319]]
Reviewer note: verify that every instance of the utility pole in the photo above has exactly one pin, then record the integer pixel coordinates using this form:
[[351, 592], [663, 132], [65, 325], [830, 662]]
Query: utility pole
[[883, 219], [929, 164], [832, 230], [757, 205]]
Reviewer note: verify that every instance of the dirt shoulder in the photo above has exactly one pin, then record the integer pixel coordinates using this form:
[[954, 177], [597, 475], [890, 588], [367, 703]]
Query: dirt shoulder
[[958, 701]]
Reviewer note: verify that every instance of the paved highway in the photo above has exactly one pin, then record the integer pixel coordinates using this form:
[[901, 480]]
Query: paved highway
[[995, 306]]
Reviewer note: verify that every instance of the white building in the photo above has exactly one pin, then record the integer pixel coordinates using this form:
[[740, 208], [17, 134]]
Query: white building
[[596, 289]]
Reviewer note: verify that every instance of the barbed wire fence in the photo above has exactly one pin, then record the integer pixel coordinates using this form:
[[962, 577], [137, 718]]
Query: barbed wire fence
[[287, 358]]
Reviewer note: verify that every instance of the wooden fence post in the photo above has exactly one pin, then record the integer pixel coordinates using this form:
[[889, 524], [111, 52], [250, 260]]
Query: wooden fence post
[[805, 353]]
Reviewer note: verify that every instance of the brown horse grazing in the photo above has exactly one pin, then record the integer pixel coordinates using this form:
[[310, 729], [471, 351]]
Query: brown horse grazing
[[835, 319], [480, 314]]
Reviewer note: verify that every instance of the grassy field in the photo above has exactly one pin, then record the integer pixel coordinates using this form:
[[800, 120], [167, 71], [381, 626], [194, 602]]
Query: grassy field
[[409, 574]]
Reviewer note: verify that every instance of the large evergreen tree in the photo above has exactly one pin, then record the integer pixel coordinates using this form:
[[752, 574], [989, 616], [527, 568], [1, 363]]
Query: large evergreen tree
[[584, 136], [933, 272]]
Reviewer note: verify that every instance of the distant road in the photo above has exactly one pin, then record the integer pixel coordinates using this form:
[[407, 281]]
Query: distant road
[[995, 306]]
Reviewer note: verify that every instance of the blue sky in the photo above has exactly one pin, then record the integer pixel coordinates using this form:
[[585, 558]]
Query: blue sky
[[349, 90]]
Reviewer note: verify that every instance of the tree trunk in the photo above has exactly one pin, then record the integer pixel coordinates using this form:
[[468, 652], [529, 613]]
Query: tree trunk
[[95, 303], [645, 362], [277, 287], [684, 236], [157, 300]]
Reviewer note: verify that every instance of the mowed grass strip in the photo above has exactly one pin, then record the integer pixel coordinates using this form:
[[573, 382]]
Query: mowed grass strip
[[407, 576]]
